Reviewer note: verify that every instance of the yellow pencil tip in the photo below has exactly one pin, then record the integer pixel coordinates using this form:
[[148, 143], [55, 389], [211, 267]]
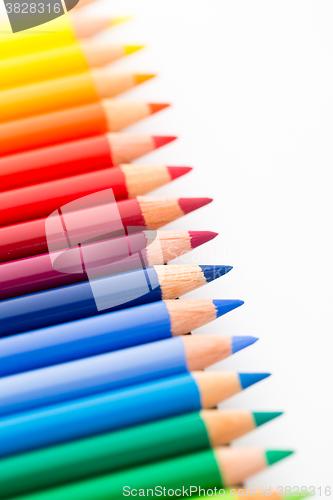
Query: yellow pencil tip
[[129, 49], [143, 78], [120, 19]]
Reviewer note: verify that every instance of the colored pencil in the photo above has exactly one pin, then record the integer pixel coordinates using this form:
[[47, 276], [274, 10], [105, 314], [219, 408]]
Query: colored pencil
[[69, 303], [115, 410], [131, 447], [78, 57], [120, 265], [210, 470], [58, 94], [126, 181], [65, 126], [87, 25], [155, 247], [72, 158], [92, 223], [115, 370], [108, 332], [125, 278], [56, 33]]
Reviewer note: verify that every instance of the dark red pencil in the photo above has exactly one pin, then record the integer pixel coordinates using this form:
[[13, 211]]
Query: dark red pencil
[[95, 222]]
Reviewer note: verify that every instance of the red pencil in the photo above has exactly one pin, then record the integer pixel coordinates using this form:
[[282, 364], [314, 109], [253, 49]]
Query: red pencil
[[126, 181], [93, 223], [75, 157], [63, 126]]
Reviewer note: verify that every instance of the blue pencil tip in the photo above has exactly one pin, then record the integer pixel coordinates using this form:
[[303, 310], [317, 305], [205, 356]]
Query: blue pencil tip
[[239, 343], [211, 273], [225, 306], [248, 379]]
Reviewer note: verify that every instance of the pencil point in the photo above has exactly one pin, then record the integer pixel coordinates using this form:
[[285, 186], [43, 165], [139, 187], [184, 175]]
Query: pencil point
[[200, 237], [262, 418], [156, 107], [129, 49], [143, 78], [162, 140], [189, 204], [120, 19], [213, 272], [248, 379], [225, 306], [239, 343], [176, 172], [274, 456]]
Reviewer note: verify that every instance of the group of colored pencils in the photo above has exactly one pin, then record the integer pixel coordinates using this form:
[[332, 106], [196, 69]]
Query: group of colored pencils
[[102, 392]]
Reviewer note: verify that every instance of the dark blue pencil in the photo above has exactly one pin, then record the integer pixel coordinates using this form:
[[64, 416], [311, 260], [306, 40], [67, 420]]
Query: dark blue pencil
[[70, 303]]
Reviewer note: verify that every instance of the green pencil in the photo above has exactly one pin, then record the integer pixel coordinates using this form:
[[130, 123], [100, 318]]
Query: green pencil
[[78, 460], [214, 468]]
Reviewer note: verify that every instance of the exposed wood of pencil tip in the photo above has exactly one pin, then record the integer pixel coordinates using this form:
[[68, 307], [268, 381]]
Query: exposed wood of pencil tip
[[205, 350], [122, 114], [85, 25], [159, 211], [141, 179], [187, 315], [108, 83], [223, 426], [176, 281], [164, 246], [237, 464], [99, 53], [126, 148], [216, 386]]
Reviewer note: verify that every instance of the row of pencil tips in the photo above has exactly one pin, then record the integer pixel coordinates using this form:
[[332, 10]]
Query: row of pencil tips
[[103, 394]]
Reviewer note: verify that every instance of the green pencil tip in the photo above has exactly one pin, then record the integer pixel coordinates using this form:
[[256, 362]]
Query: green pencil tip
[[274, 456], [261, 418]]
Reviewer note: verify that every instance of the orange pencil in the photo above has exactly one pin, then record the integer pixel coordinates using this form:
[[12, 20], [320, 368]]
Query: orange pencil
[[76, 157]]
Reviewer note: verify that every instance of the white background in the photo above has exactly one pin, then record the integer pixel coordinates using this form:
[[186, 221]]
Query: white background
[[251, 84]]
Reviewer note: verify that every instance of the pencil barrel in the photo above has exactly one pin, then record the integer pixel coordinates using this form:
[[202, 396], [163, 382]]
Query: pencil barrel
[[102, 454]]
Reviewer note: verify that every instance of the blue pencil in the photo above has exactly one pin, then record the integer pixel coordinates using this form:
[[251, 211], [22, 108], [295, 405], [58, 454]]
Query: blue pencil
[[107, 332], [119, 409], [120, 291], [111, 371]]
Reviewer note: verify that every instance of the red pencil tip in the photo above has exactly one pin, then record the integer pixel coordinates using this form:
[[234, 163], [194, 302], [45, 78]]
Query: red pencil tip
[[189, 204], [176, 172], [200, 237], [156, 107], [162, 140]]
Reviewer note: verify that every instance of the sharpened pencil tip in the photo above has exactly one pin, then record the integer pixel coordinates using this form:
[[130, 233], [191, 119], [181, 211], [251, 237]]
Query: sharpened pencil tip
[[119, 19], [200, 237], [163, 140], [143, 78], [156, 107], [262, 418], [225, 306], [189, 204], [211, 273], [176, 172], [274, 456], [248, 379], [239, 343], [130, 49]]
